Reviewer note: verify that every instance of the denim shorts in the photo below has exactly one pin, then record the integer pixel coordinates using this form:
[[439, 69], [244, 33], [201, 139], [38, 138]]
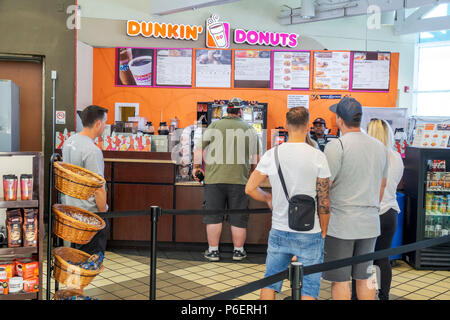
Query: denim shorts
[[308, 247]]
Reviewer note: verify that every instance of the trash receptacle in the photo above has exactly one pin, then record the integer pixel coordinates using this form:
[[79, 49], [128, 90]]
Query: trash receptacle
[[398, 237]]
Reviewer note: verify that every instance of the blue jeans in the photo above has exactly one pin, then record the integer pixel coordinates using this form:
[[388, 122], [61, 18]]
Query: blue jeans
[[308, 247]]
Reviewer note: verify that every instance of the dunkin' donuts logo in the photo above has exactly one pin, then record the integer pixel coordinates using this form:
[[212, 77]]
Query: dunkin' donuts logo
[[217, 33]]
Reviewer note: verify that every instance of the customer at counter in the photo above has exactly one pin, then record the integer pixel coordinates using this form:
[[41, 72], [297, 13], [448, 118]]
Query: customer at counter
[[81, 150], [305, 172], [359, 168], [225, 176], [389, 209]]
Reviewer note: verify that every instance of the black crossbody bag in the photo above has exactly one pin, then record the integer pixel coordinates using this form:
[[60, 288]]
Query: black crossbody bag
[[302, 208]]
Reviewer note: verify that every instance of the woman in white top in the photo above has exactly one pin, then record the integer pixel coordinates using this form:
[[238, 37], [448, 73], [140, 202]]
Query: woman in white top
[[389, 208]]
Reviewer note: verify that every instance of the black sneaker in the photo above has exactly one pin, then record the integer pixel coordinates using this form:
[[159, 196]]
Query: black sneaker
[[212, 256], [239, 255]]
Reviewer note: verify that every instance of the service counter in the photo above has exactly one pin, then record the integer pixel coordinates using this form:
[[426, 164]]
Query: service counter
[[139, 180]]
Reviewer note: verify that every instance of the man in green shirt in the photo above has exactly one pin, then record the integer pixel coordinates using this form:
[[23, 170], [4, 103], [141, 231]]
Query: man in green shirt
[[231, 148]]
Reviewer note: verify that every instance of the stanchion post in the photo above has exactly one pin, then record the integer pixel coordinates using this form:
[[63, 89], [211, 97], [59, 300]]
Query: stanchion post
[[155, 212], [296, 278]]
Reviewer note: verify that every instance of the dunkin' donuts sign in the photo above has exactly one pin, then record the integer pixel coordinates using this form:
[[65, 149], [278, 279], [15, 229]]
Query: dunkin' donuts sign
[[217, 33]]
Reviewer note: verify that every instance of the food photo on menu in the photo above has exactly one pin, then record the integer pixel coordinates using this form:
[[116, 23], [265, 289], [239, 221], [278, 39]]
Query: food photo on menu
[[135, 67]]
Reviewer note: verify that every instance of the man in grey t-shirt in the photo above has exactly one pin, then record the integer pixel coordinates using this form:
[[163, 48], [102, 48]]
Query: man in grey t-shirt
[[359, 167], [81, 150]]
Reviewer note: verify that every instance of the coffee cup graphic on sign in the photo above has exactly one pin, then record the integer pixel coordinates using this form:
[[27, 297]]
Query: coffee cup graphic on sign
[[141, 68], [218, 32]]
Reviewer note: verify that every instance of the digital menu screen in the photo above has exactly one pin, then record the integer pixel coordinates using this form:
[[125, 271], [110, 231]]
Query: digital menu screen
[[291, 70], [134, 66], [331, 70], [371, 70], [252, 69], [174, 67], [213, 68]]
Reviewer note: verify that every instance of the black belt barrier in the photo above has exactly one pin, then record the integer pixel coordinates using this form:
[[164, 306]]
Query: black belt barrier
[[294, 273]]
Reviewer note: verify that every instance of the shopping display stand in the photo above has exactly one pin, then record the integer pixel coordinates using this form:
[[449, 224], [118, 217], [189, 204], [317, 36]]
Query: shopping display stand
[[36, 203], [75, 182]]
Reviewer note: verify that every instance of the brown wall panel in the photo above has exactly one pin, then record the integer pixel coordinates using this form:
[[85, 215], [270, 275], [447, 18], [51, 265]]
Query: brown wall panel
[[28, 77], [144, 172], [139, 197], [192, 229]]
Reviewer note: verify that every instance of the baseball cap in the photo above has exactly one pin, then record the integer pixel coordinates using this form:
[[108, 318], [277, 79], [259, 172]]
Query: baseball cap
[[319, 120], [235, 102], [347, 108]]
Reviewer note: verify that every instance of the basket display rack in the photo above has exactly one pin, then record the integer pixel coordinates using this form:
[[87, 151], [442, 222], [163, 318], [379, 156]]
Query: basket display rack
[[79, 183]]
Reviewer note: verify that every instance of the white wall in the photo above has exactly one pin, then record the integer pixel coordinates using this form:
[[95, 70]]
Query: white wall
[[85, 64], [262, 15]]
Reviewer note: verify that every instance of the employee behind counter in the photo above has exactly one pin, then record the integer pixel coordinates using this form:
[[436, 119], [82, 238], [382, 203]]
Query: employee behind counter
[[319, 133]]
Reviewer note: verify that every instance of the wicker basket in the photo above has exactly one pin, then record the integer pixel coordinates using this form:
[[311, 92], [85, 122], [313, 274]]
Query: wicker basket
[[71, 229], [70, 275], [67, 293], [76, 181]]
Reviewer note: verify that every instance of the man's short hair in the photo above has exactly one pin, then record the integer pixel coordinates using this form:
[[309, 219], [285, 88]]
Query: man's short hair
[[355, 123], [91, 114], [297, 117]]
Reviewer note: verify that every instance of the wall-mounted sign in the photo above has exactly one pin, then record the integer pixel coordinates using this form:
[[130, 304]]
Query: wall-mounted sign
[[218, 33], [273, 39], [163, 30], [60, 117]]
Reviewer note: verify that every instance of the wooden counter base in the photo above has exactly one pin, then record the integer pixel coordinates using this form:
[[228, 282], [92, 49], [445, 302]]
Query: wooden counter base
[[138, 180]]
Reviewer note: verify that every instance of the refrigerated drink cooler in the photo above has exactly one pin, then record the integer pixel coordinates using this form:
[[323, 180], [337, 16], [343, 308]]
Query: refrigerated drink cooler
[[9, 116], [427, 214]]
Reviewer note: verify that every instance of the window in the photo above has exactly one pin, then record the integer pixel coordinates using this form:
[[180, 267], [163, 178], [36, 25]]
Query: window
[[432, 94]]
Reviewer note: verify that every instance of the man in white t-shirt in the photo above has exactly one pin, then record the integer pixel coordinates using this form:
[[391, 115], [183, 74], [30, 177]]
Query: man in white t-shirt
[[305, 171]]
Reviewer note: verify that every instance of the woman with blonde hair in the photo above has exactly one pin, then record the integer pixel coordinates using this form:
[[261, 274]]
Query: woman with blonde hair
[[381, 130]]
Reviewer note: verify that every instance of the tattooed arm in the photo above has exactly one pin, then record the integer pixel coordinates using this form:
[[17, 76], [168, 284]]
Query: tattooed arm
[[323, 205]]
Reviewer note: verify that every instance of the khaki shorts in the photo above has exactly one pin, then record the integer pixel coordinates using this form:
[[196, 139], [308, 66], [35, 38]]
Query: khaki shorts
[[337, 249]]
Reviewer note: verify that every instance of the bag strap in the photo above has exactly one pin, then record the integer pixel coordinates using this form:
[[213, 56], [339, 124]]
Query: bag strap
[[280, 174]]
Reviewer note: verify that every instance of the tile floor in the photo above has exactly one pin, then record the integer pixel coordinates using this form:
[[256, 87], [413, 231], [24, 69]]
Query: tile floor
[[188, 276]]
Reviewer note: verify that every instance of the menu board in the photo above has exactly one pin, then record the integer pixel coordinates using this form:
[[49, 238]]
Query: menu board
[[213, 68], [291, 69], [371, 70], [174, 67], [252, 69], [134, 66], [331, 70]]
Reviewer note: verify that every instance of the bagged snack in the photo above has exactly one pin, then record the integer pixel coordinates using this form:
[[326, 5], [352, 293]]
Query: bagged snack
[[14, 226], [27, 268], [31, 284], [30, 228], [4, 286]]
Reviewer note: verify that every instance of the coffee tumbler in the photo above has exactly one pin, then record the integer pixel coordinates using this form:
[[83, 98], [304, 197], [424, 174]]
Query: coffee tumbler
[[10, 187], [26, 186]]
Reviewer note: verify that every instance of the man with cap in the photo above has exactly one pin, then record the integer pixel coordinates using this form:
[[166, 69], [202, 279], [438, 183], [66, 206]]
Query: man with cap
[[318, 133], [231, 149], [359, 168]]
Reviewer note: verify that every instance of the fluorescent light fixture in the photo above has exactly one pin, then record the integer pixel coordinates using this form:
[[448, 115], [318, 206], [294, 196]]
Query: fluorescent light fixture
[[307, 10]]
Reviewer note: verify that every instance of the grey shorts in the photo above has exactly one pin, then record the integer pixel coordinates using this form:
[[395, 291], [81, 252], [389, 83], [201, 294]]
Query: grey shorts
[[226, 196], [337, 249]]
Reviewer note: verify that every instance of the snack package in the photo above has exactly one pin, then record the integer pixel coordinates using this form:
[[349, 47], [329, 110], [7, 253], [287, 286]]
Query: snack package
[[31, 284], [4, 287], [30, 228], [14, 225], [9, 269], [27, 268]]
